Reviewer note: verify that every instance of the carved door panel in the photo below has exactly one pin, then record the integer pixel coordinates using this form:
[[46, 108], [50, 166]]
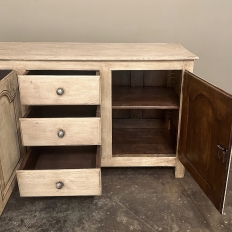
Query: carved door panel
[[205, 136], [10, 145]]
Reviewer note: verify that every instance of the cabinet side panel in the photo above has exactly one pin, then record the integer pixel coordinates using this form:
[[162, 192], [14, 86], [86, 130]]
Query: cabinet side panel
[[179, 169], [106, 114], [9, 155], [9, 135]]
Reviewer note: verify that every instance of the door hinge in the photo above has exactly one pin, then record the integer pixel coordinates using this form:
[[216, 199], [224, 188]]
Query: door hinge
[[222, 153]]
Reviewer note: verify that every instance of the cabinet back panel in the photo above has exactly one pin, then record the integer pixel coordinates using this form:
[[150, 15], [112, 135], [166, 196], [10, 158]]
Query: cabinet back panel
[[140, 78]]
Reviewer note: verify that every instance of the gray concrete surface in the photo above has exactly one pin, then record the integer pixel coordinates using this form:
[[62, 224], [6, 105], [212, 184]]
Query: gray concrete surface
[[134, 199]]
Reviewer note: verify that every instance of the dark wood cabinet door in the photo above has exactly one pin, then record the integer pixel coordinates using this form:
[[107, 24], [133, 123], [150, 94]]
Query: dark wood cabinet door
[[205, 136]]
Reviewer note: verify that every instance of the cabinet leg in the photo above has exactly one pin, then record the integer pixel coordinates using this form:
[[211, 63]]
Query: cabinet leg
[[1, 208], [179, 169]]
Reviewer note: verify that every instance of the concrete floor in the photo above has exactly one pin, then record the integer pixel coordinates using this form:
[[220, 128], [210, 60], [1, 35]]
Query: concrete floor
[[134, 199]]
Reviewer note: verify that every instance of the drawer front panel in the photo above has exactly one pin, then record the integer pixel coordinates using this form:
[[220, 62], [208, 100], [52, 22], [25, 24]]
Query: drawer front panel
[[60, 131], [59, 90], [82, 182]]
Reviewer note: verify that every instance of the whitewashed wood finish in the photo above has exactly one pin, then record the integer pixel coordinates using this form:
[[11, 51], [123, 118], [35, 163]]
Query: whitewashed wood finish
[[179, 168], [41, 90], [106, 114], [139, 161], [94, 51], [4, 200], [97, 65], [10, 146], [77, 182], [6, 192], [43, 131]]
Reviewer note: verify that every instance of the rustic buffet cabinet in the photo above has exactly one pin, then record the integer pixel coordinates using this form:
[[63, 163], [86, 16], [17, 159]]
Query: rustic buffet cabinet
[[68, 109]]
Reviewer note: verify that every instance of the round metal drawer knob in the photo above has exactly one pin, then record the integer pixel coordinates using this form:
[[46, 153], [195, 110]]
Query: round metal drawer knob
[[60, 91], [59, 185], [61, 133]]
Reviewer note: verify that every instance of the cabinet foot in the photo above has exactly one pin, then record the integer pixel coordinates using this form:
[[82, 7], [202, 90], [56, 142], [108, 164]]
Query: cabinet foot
[[179, 170], [1, 209]]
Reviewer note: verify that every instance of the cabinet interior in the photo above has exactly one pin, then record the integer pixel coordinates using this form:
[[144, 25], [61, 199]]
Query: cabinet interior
[[4, 73], [145, 112], [71, 157]]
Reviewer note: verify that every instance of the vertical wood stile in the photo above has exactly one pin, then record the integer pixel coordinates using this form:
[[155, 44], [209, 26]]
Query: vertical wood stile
[[179, 169], [106, 113]]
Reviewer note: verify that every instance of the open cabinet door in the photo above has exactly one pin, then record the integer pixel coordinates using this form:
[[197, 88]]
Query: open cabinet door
[[205, 136], [10, 141]]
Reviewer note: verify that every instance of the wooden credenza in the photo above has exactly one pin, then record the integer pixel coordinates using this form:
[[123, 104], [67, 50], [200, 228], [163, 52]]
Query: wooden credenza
[[68, 109]]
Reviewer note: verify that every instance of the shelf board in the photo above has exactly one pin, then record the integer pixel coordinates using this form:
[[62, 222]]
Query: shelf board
[[128, 97], [143, 142]]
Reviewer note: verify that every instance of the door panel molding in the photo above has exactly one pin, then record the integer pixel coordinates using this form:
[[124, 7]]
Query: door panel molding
[[205, 123]]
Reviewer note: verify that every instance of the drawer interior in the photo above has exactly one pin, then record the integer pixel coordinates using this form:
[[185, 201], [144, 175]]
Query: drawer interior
[[4, 73], [73, 111], [61, 72], [72, 157]]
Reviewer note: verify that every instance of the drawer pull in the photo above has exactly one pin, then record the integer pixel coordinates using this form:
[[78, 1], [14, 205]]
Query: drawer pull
[[59, 185], [60, 91], [61, 133]]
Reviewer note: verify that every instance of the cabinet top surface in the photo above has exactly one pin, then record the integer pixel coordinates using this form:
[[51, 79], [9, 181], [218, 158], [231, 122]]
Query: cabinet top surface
[[93, 51]]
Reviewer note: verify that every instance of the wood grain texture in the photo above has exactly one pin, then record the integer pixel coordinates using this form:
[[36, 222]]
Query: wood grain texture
[[93, 65], [179, 169], [155, 77], [94, 51], [122, 77], [126, 97], [106, 114], [142, 141], [41, 90], [43, 131], [120, 113], [10, 144], [139, 162], [60, 157], [103, 57], [43, 182], [137, 78], [206, 123], [138, 123], [75, 166]]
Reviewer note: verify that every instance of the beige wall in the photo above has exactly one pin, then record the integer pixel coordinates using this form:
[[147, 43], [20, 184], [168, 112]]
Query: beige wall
[[202, 26]]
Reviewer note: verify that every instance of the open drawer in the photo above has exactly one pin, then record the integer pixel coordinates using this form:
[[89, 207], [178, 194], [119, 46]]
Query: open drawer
[[60, 171], [61, 126], [64, 87]]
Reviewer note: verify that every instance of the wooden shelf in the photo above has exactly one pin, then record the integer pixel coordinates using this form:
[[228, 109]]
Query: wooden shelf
[[143, 142], [127, 97]]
